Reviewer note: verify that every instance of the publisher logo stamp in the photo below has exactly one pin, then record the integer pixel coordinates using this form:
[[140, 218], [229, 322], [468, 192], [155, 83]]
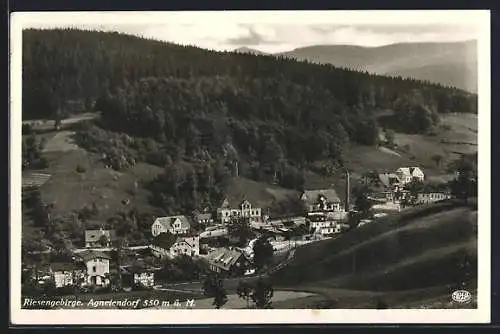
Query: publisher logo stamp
[[461, 296]]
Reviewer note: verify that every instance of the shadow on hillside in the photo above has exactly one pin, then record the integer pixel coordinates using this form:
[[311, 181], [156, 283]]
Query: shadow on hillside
[[419, 248]]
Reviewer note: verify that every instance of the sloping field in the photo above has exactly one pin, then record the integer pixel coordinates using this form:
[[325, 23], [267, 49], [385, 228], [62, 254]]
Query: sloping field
[[362, 159], [69, 189], [259, 194], [61, 141], [433, 247]]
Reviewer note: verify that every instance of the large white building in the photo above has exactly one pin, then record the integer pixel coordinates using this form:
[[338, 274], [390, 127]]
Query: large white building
[[244, 209]]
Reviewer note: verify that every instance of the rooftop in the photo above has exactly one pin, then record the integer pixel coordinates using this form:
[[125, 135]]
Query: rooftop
[[88, 255], [224, 258], [167, 222], [311, 196], [96, 235]]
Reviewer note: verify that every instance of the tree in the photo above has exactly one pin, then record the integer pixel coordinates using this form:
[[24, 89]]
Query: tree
[[263, 252], [239, 228], [103, 241], [214, 287], [437, 158], [361, 200], [244, 291], [262, 293], [414, 188], [465, 185]]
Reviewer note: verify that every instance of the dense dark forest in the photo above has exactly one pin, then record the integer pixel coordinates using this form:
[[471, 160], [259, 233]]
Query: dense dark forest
[[174, 106]]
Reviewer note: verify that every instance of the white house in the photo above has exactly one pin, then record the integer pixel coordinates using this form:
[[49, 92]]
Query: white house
[[408, 174], [228, 262], [244, 209], [186, 246], [170, 246], [140, 274], [321, 200], [172, 224], [97, 265], [66, 274]]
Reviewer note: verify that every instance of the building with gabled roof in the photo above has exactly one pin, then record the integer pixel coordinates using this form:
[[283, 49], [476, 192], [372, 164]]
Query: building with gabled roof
[[321, 200], [99, 238], [173, 224], [408, 174], [243, 209], [228, 261], [67, 273], [170, 245], [97, 265], [139, 273]]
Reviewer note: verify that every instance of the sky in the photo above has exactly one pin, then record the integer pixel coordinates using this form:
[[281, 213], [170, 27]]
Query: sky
[[276, 35]]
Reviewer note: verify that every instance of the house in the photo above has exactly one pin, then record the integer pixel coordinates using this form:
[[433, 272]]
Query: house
[[321, 200], [243, 209], [172, 224], [170, 245], [139, 274], [408, 174], [204, 219], [431, 197], [99, 238], [389, 180], [186, 246], [67, 274], [97, 266], [228, 261]]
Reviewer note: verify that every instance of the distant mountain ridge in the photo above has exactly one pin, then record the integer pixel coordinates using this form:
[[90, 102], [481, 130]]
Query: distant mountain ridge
[[450, 64], [244, 49]]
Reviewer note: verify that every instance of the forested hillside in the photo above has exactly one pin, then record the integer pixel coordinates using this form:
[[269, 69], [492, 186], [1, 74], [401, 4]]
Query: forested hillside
[[198, 112]]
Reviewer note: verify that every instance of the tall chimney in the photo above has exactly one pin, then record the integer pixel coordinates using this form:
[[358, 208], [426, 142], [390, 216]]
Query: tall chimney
[[236, 168], [347, 191]]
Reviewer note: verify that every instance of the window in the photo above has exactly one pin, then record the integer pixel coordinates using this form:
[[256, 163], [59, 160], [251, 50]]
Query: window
[[93, 269]]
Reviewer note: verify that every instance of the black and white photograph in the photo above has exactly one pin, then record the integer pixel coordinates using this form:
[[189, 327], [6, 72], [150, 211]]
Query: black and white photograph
[[321, 166]]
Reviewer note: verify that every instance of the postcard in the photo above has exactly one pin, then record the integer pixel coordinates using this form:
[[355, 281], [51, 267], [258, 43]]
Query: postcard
[[250, 167]]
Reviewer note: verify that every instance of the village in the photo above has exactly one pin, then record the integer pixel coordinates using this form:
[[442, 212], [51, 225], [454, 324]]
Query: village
[[238, 240]]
